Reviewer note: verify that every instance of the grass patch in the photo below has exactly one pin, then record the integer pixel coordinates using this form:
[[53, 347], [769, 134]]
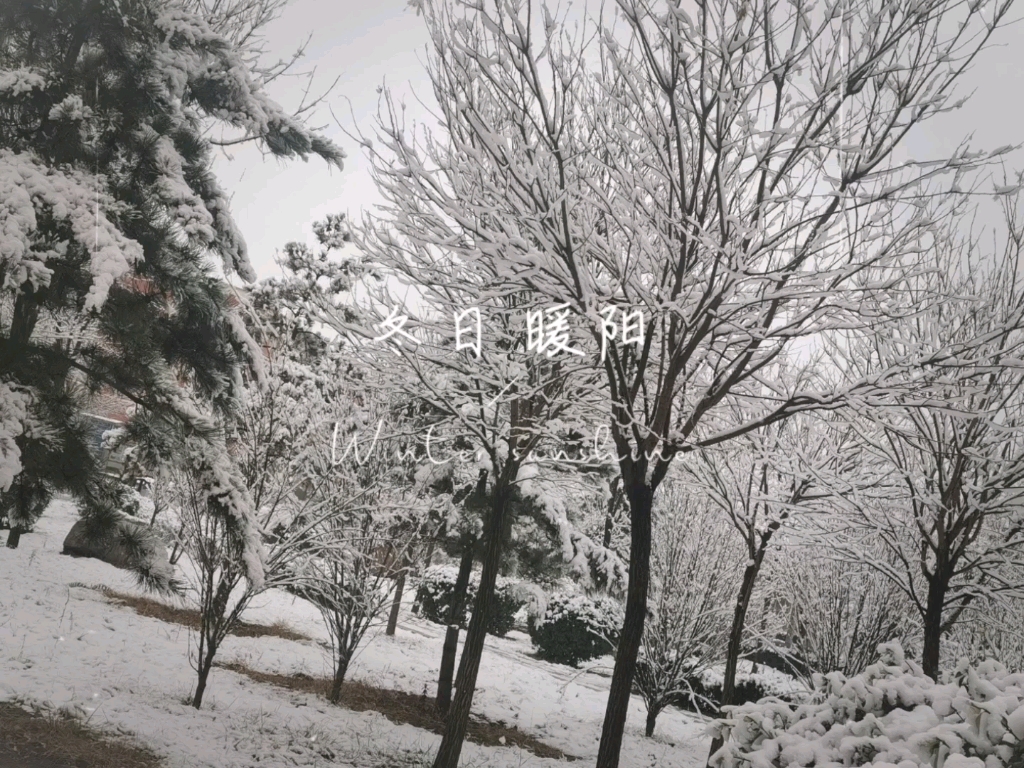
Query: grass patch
[[189, 617], [401, 707], [29, 740]]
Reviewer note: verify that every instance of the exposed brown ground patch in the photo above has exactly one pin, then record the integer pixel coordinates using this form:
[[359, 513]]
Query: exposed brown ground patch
[[189, 617], [30, 740], [401, 707]]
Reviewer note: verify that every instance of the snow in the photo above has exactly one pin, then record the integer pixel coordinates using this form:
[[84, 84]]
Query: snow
[[890, 714], [18, 81], [14, 405], [62, 646], [26, 183]]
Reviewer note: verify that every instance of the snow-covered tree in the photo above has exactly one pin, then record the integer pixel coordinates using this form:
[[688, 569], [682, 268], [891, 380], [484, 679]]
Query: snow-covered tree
[[211, 503], [277, 462], [949, 457], [349, 573], [114, 233], [257, 478], [694, 569], [838, 612], [442, 333], [729, 170], [759, 482]]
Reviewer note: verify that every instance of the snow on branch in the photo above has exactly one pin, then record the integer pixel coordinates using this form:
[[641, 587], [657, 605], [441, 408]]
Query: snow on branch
[[14, 416], [15, 82], [28, 188], [200, 65], [230, 499]]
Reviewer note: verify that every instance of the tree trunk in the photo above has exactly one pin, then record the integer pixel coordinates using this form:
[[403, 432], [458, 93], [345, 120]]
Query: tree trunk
[[205, 665], [732, 657], [640, 501], [213, 626], [451, 638], [158, 507], [444, 678], [611, 512], [469, 666], [652, 717], [339, 678], [22, 324], [430, 554], [937, 588], [396, 604], [20, 503]]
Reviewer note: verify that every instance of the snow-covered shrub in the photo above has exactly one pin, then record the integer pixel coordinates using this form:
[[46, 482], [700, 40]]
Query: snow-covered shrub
[[437, 590], [435, 594], [891, 714], [575, 628], [503, 613]]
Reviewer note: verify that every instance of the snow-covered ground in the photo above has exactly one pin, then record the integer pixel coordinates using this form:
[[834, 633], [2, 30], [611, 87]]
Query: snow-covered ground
[[64, 646]]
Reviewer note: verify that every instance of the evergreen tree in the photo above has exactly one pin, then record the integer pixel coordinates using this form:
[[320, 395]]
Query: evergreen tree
[[110, 229]]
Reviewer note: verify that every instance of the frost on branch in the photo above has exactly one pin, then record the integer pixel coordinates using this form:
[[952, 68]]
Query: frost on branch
[[27, 188], [891, 714]]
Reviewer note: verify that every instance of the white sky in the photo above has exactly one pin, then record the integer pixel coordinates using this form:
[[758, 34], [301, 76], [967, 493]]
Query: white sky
[[367, 43]]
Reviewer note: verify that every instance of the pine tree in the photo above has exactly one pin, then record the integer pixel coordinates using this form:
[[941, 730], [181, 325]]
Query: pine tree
[[110, 229]]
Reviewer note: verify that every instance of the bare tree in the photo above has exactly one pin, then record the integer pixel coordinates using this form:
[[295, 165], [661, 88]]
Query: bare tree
[[349, 575], [731, 174], [839, 612], [759, 482], [952, 453], [693, 574], [276, 462]]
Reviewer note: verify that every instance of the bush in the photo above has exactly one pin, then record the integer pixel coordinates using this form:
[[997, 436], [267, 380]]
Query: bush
[[575, 628], [503, 614], [436, 592], [890, 714], [702, 693]]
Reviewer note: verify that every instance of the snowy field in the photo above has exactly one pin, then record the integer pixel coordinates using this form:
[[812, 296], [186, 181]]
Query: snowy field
[[64, 647]]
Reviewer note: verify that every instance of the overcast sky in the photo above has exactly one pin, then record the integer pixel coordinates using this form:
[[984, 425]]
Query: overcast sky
[[367, 43]]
